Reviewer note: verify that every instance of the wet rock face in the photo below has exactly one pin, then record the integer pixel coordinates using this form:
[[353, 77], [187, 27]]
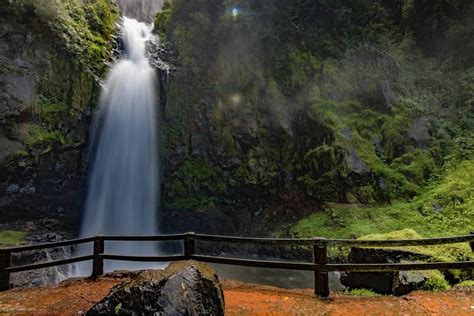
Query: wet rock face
[[183, 288], [45, 102], [396, 283]]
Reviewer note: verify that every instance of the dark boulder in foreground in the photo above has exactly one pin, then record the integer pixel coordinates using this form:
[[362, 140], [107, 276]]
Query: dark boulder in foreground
[[183, 288], [396, 283]]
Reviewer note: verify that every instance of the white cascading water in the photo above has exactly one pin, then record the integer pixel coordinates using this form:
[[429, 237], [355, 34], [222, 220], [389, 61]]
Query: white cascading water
[[123, 189]]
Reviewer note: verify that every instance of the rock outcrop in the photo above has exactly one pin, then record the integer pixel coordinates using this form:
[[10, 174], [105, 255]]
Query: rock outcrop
[[396, 283], [183, 288], [51, 56]]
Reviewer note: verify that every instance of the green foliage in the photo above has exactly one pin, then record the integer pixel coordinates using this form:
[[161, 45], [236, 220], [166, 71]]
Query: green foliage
[[118, 309], [38, 136], [361, 292], [298, 69], [11, 238], [467, 283], [80, 27], [435, 282], [101, 16], [162, 21]]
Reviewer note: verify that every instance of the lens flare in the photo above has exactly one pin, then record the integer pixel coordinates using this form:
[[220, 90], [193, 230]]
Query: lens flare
[[235, 12]]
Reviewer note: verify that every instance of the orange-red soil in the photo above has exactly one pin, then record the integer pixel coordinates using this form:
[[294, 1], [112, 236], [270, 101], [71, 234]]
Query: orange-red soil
[[77, 296]]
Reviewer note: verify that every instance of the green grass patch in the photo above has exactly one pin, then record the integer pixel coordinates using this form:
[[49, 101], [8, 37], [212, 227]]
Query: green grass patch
[[11, 238], [361, 292], [445, 253], [467, 283]]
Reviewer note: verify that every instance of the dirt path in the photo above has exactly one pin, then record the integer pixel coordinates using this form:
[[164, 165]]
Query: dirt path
[[77, 296]]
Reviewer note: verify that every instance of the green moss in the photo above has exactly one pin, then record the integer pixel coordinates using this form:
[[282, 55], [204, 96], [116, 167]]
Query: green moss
[[75, 25], [195, 186], [22, 154], [361, 292], [38, 136], [447, 208], [11, 238], [82, 93], [101, 16], [162, 21], [435, 282], [298, 69], [467, 283], [443, 253]]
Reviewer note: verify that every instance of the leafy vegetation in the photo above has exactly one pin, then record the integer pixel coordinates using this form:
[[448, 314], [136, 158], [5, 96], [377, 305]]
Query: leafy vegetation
[[435, 282], [467, 283]]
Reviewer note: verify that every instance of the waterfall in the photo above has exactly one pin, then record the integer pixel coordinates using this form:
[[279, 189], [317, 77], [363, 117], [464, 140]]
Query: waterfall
[[142, 10], [123, 183]]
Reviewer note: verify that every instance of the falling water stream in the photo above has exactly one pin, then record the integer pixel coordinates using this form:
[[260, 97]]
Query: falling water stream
[[122, 195]]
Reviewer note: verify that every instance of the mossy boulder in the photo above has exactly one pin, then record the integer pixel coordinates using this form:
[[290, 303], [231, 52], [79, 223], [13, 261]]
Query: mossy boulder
[[406, 281]]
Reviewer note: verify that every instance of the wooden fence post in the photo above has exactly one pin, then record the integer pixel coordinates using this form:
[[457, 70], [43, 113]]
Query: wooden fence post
[[5, 257], [189, 245], [472, 243], [98, 261], [321, 280]]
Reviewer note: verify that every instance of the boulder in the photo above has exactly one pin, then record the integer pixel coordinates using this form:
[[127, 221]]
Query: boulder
[[183, 288], [396, 283]]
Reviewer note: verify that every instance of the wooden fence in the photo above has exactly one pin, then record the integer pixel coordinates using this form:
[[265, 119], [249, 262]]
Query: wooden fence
[[320, 264]]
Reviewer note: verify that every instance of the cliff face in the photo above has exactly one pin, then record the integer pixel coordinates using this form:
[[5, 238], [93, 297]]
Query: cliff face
[[51, 56], [276, 107]]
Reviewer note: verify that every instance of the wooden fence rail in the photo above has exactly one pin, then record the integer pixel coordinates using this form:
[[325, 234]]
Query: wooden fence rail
[[320, 264]]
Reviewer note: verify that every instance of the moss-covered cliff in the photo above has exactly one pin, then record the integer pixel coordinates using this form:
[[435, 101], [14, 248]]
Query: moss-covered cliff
[[52, 53], [305, 102]]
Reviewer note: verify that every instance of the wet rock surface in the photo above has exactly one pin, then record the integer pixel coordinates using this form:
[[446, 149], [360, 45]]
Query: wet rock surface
[[183, 288], [39, 232], [38, 173], [396, 283]]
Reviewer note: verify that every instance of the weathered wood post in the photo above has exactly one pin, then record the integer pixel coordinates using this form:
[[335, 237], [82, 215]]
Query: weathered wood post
[[472, 243], [189, 245], [98, 261], [321, 279], [5, 257]]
